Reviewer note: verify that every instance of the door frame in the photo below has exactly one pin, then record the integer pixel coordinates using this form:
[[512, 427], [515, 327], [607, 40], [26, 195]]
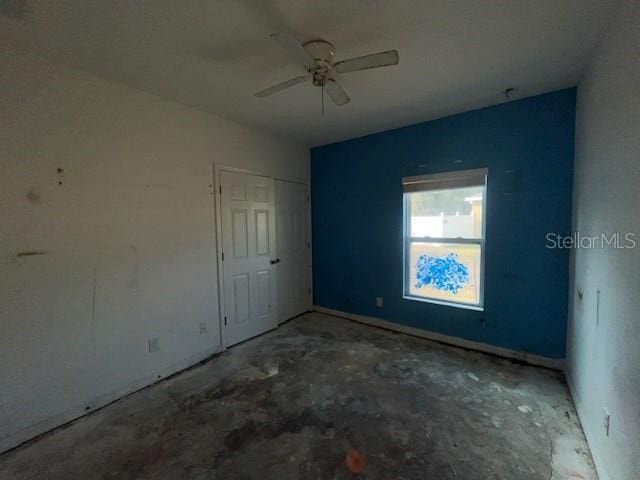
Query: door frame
[[217, 204]]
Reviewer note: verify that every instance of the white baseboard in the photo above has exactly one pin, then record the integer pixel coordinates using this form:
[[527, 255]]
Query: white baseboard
[[537, 360], [31, 432]]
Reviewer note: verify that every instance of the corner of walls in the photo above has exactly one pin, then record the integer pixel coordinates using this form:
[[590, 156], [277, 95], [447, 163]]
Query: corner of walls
[[603, 340]]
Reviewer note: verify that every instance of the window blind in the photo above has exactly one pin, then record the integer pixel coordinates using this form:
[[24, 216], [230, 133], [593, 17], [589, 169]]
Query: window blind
[[443, 181]]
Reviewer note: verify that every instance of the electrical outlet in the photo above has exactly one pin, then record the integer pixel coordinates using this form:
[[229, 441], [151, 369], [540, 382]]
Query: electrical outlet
[[203, 328], [379, 302], [154, 344], [607, 423]]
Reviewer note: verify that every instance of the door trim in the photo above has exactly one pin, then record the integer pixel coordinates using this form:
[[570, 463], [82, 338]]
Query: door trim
[[218, 240]]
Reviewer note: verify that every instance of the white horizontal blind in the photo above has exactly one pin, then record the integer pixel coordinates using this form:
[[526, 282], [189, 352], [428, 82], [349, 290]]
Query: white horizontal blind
[[447, 180]]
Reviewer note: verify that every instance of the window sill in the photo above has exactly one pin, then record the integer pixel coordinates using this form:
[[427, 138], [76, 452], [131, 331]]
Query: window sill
[[466, 306]]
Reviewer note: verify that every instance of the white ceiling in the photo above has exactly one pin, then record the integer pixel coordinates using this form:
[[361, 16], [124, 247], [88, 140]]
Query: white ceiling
[[214, 55]]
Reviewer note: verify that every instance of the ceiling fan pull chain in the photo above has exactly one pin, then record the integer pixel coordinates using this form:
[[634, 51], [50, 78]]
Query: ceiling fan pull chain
[[322, 94]]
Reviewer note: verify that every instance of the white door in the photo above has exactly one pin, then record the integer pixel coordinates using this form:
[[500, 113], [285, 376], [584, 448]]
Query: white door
[[248, 250], [294, 259]]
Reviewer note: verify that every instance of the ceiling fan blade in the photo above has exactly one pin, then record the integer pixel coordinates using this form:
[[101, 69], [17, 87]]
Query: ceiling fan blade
[[375, 60], [294, 47], [335, 91], [281, 86]]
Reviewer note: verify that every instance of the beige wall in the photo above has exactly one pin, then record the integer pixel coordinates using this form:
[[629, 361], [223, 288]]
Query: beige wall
[[122, 251], [604, 340]]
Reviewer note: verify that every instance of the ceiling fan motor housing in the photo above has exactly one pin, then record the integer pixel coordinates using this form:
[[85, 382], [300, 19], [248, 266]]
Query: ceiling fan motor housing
[[323, 54]]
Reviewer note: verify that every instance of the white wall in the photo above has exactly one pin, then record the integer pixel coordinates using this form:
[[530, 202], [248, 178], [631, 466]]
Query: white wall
[[604, 349], [123, 250]]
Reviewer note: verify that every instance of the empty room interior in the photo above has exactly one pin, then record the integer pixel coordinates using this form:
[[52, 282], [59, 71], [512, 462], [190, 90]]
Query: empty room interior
[[341, 239]]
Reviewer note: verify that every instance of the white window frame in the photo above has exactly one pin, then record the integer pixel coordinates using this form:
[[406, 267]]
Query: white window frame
[[434, 182]]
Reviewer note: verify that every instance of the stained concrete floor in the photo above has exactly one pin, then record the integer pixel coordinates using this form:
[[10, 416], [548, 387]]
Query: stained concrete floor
[[290, 405]]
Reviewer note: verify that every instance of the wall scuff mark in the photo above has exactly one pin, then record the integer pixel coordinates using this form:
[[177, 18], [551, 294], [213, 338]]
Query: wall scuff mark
[[31, 253], [33, 197]]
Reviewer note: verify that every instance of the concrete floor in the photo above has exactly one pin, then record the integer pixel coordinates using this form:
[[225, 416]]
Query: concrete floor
[[290, 404]]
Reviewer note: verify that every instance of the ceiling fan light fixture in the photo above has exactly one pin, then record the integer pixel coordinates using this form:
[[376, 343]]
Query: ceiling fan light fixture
[[317, 57]]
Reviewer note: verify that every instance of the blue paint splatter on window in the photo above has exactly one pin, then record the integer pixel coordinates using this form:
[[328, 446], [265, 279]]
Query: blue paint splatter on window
[[443, 273]]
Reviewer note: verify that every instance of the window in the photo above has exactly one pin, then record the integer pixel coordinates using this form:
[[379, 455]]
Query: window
[[444, 223]]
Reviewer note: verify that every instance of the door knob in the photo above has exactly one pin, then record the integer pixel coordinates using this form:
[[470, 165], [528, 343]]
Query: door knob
[[273, 262]]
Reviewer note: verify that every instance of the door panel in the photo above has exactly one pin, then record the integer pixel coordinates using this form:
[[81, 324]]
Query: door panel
[[241, 298], [238, 192], [248, 245], [292, 234], [264, 292], [262, 193], [262, 232], [240, 228]]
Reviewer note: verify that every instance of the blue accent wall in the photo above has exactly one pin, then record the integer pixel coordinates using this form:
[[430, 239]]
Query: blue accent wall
[[528, 147]]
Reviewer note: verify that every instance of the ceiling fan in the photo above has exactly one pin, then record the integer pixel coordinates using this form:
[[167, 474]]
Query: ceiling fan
[[317, 57]]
